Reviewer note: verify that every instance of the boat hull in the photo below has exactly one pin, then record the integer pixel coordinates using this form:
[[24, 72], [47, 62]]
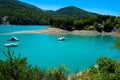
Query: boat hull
[[11, 45]]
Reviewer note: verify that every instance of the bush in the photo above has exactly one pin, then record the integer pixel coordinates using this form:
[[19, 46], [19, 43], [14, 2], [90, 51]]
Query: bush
[[16, 68], [107, 69]]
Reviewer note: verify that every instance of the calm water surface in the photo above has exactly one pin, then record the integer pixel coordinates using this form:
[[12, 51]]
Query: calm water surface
[[44, 50]]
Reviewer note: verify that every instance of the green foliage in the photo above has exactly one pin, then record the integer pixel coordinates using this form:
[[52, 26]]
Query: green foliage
[[16, 68], [68, 18], [89, 27], [107, 69], [116, 45], [107, 65], [100, 23], [108, 26], [118, 31], [20, 13], [59, 73], [74, 12]]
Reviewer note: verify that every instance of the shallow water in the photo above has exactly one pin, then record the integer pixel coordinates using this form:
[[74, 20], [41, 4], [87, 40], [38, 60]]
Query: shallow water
[[76, 52]]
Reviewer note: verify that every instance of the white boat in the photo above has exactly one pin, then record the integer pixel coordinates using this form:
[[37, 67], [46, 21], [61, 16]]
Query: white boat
[[13, 38], [61, 38], [11, 45]]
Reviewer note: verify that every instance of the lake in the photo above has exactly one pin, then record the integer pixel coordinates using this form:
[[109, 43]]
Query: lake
[[44, 50]]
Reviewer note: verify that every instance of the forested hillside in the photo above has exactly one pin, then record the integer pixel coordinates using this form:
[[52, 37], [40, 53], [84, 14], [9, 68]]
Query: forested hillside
[[100, 23], [75, 12], [21, 13], [70, 18]]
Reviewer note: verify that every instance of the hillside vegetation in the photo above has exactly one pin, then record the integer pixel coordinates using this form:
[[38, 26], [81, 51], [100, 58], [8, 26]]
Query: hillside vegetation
[[20, 13], [70, 18], [75, 12], [100, 23]]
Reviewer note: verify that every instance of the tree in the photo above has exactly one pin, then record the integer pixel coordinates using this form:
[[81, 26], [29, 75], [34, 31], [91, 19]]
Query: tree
[[16, 68], [106, 69], [108, 26]]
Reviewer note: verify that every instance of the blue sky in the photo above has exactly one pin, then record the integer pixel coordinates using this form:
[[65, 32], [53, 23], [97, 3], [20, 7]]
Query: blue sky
[[107, 7]]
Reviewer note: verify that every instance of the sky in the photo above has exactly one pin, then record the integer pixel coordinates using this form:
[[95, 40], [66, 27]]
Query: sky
[[106, 7]]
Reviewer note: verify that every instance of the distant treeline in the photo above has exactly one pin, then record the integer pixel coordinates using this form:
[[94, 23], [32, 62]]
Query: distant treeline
[[20, 13], [35, 17], [70, 18], [25, 17], [99, 23]]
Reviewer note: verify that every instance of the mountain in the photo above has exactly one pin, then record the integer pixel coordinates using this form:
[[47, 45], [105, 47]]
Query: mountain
[[15, 4], [74, 12], [50, 11], [20, 13]]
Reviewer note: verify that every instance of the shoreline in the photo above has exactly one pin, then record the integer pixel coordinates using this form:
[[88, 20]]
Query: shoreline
[[61, 31]]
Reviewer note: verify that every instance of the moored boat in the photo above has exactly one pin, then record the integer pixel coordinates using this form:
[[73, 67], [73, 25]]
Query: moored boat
[[11, 45], [13, 38], [61, 38]]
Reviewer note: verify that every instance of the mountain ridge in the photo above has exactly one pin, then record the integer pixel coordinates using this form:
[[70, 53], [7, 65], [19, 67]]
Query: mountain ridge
[[65, 11], [75, 12], [23, 13]]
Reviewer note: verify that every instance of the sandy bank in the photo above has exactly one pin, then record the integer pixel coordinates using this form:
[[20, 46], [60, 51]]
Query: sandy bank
[[76, 32], [61, 31], [84, 32], [50, 31]]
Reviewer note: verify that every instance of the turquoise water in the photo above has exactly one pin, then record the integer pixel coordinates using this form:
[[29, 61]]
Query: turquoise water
[[76, 52], [9, 28]]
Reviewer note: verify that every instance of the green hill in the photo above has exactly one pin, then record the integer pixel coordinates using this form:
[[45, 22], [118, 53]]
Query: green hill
[[22, 13], [74, 12], [15, 4]]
